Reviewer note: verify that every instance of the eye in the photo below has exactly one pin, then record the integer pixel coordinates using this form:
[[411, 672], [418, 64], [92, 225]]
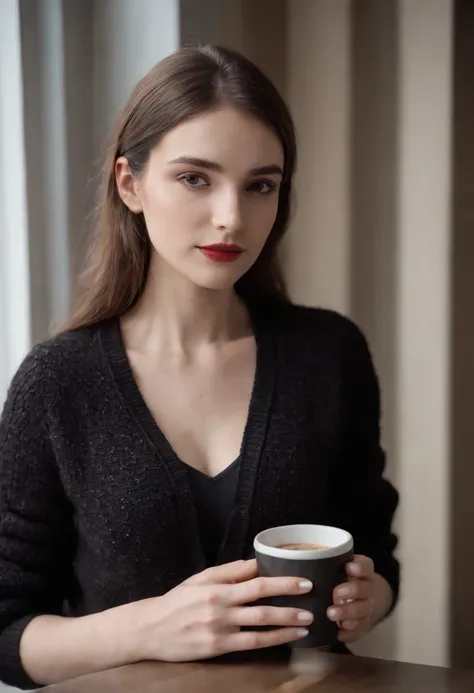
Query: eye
[[193, 180], [263, 187]]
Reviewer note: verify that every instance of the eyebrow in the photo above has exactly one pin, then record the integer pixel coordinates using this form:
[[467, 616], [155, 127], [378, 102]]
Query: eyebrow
[[211, 165]]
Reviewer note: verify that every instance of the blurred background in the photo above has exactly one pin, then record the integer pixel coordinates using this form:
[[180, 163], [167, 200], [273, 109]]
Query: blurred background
[[382, 93]]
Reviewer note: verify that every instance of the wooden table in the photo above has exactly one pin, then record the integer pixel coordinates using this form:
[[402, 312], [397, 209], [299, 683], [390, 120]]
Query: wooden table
[[336, 674]]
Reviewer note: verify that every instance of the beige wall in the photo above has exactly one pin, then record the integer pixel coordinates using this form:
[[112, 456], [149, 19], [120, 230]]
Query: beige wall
[[423, 330], [318, 89], [371, 238]]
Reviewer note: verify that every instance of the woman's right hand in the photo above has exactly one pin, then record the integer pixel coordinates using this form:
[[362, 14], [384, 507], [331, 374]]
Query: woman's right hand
[[203, 616]]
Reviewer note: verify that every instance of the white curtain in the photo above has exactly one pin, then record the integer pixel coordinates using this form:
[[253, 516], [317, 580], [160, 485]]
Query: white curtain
[[14, 271], [66, 68]]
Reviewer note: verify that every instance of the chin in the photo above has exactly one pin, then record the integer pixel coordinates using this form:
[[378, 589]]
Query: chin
[[216, 284], [216, 280]]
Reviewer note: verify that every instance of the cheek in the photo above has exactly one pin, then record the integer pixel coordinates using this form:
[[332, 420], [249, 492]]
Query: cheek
[[262, 218], [164, 199], [170, 209]]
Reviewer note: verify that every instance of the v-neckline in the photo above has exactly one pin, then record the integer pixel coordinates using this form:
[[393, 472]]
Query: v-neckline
[[252, 444], [217, 477]]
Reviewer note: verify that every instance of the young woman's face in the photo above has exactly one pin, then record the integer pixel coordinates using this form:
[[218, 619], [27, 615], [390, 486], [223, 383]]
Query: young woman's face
[[209, 195]]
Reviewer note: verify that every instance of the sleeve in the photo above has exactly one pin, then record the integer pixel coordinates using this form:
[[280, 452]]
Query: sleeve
[[36, 525], [366, 501]]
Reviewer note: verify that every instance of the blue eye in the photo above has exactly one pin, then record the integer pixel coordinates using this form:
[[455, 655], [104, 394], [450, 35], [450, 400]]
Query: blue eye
[[193, 180]]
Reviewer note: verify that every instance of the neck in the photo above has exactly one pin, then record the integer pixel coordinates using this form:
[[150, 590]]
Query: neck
[[176, 315]]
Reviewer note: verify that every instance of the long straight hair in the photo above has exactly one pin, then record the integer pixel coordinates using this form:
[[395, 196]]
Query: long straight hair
[[184, 84]]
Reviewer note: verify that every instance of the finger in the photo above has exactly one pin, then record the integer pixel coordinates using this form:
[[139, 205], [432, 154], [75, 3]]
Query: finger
[[238, 571], [360, 567], [361, 608], [350, 625], [262, 588], [349, 634], [251, 640], [356, 589], [269, 616]]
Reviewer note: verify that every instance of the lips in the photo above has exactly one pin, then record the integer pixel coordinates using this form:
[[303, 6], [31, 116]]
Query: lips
[[222, 252]]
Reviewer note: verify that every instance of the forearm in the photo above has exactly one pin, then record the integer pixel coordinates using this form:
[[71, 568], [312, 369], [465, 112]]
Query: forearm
[[54, 648], [383, 597]]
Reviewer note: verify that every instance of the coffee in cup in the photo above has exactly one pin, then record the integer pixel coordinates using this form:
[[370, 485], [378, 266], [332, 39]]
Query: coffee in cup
[[301, 547], [315, 552]]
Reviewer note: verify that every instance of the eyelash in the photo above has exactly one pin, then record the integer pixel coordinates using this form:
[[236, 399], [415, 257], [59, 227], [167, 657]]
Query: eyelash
[[184, 180]]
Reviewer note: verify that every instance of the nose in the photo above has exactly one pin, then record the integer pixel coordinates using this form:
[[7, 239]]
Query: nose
[[227, 211]]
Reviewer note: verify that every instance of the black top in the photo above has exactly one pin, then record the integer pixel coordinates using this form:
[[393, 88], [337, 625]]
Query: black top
[[95, 507], [214, 499]]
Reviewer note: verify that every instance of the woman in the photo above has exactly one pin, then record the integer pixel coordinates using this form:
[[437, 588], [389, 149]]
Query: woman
[[188, 406]]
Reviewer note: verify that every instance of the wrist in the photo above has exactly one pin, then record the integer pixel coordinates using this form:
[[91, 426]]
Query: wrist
[[55, 648], [142, 622], [125, 633]]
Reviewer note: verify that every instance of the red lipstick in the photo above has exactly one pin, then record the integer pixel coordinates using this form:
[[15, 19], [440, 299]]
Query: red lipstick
[[222, 252]]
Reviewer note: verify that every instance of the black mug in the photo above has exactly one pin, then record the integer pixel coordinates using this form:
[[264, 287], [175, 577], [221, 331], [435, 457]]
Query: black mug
[[316, 552]]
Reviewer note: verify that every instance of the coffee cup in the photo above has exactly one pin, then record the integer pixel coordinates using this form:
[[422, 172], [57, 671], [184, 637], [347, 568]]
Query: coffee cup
[[318, 553]]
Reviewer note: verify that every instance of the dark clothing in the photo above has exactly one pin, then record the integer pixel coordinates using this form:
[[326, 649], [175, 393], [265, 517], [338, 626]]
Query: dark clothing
[[96, 510], [214, 498]]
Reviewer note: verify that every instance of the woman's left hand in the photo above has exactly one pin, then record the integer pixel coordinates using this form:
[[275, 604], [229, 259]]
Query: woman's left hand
[[356, 617]]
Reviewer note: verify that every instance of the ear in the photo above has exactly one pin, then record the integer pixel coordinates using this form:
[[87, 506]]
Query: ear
[[127, 185]]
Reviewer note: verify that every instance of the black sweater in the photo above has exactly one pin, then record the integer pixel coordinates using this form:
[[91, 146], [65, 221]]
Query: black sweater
[[95, 507]]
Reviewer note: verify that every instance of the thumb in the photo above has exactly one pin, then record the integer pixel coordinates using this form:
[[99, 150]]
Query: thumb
[[238, 571]]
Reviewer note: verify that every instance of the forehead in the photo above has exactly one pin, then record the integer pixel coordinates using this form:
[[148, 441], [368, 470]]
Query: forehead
[[234, 139]]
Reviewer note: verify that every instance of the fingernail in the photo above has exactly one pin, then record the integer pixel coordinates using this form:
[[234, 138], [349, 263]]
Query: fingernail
[[335, 614], [302, 632], [305, 585], [343, 592], [305, 616]]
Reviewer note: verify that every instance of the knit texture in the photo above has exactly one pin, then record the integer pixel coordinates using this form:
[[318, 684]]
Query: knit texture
[[96, 509]]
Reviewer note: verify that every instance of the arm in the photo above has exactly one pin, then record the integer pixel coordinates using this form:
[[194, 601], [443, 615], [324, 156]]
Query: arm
[[54, 648], [37, 543], [366, 501]]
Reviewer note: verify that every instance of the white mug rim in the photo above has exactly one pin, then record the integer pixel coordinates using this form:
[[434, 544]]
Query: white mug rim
[[344, 546]]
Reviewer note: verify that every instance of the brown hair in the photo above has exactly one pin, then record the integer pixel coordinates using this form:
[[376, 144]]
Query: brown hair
[[185, 83]]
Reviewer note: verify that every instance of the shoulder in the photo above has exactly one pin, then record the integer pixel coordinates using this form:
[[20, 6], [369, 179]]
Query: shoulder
[[319, 326], [334, 344], [323, 339], [67, 350], [52, 363]]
